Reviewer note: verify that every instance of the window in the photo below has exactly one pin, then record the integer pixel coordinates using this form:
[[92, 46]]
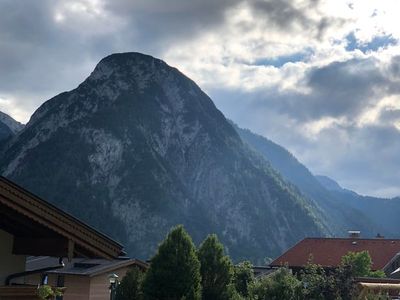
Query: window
[[44, 279], [60, 280]]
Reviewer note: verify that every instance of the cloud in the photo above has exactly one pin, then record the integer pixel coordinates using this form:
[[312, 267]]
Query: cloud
[[364, 158], [156, 24], [346, 125], [344, 88], [49, 46], [319, 77], [40, 55], [283, 14]]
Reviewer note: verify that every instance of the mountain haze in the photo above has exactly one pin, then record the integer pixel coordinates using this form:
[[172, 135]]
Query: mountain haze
[[384, 212], [138, 147], [342, 210]]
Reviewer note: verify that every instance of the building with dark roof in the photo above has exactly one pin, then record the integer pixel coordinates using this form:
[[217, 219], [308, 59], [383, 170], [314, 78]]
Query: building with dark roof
[[30, 226], [328, 252], [85, 279]]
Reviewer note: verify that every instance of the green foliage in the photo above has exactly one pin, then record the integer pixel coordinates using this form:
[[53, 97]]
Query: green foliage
[[376, 297], [215, 268], [234, 295], [377, 274], [316, 284], [360, 264], [354, 264], [243, 277], [130, 287], [45, 292], [344, 282], [174, 272], [281, 285]]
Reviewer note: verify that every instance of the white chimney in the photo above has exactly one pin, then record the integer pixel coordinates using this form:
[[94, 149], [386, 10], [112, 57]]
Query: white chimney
[[355, 234]]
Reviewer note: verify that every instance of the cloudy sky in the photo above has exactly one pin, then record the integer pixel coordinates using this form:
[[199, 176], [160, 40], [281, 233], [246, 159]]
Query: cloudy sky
[[320, 77]]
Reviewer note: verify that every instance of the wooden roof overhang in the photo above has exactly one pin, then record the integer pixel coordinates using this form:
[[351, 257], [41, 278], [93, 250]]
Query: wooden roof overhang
[[40, 228]]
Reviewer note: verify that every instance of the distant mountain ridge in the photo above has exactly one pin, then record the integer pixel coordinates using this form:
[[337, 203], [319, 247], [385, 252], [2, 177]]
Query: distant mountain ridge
[[329, 183], [14, 125], [138, 147], [380, 210], [8, 127], [5, 132], [343, 208]]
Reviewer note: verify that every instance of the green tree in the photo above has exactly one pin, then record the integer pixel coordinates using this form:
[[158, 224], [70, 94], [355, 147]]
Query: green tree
[[281, 285], [174, 272], [360, 264], [316, 284], [216, 269], [344, 281], [354, 264], [130, 287], [243, 277]]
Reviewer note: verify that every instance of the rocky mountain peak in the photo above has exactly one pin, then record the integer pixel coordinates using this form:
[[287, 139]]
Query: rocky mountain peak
[[12, 124], [124, 75], [141, 145], [129, 64], [132, 70]]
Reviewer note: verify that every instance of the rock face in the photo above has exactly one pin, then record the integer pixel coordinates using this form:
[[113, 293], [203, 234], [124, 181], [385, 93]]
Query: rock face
[[8, 127], [138, 148]]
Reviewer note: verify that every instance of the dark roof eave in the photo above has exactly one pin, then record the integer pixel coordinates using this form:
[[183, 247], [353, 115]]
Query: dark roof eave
[[20, 193]]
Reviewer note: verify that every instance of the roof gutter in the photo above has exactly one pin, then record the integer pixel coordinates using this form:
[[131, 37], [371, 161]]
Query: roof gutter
[[26, 273]]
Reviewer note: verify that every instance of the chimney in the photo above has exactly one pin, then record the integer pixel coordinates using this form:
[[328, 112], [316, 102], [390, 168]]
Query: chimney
[[355, 234]]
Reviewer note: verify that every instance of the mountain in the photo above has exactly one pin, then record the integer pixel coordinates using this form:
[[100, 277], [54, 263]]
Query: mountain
[[8, 127], [329, 183], [379, 210], [12, 124], [5, 132], [138, 147], [338, 215]]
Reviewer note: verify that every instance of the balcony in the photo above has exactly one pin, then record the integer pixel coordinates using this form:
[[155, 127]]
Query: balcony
[[21, 292]]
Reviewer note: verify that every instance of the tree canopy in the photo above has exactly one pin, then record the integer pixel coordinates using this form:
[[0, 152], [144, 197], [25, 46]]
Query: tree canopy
[[130, 287], [243, 277], [174, 272], [215, 268], [360, 264]]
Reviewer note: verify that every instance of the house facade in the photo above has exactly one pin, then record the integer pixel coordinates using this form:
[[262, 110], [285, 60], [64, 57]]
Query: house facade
[[86, 279], [30, 226]]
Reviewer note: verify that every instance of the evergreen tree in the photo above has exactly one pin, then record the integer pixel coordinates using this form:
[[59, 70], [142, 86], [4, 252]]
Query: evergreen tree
[[130, 287], [243, 277], [216, 270], [174, 272]]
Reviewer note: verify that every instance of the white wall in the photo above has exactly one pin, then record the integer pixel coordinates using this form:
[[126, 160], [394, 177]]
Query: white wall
[[9, 263]]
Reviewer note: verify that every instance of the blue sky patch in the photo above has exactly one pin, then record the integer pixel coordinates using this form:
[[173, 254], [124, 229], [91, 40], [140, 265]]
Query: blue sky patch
[[279, 61], [376, 43]]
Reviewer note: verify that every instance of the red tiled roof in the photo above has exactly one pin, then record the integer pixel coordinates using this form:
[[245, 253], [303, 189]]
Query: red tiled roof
[[328, 252]]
